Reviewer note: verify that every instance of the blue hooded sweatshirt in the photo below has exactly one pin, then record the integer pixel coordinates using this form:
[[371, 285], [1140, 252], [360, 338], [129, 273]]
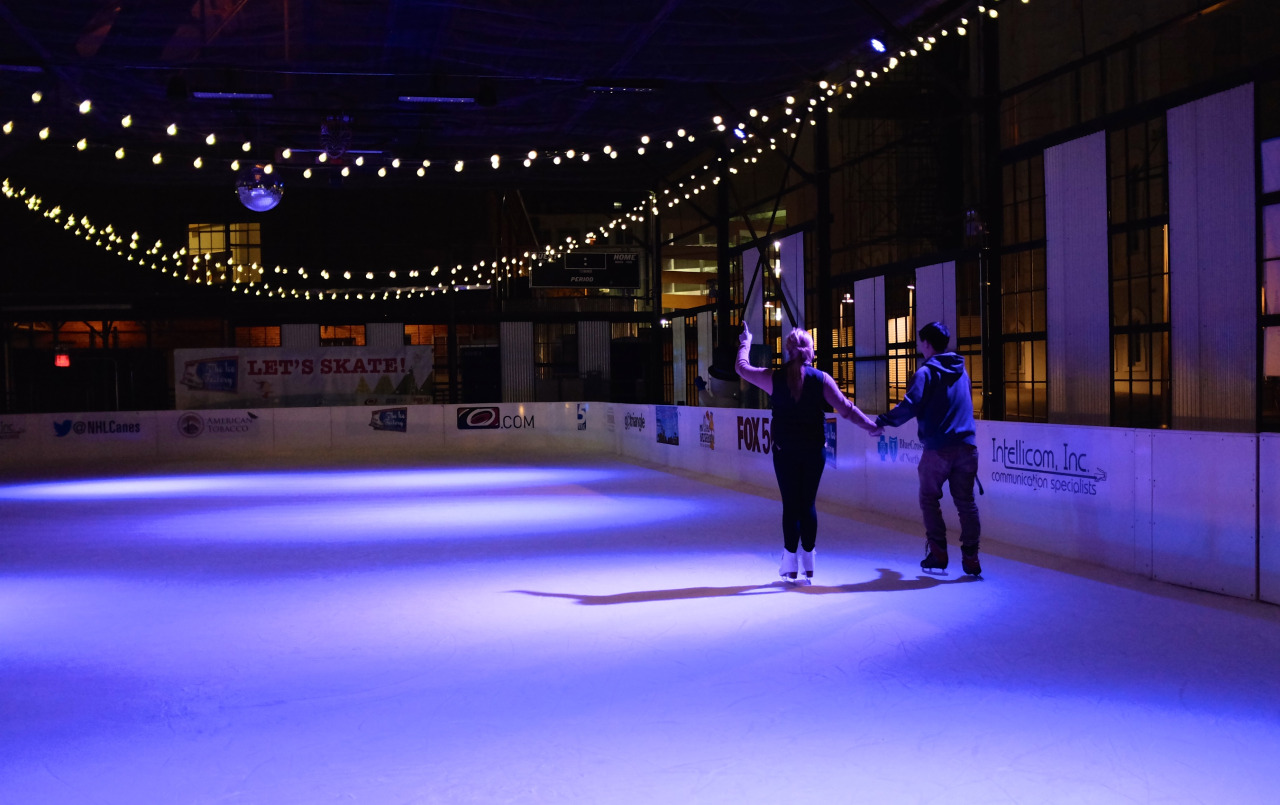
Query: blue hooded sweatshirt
[[940, 400]]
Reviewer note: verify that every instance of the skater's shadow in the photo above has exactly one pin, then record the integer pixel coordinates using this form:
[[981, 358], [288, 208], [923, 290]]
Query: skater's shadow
[[889, 581]]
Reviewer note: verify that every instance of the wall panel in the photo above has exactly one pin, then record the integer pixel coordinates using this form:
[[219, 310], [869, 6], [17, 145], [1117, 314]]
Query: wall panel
[[1213, 262], [1077, 278]]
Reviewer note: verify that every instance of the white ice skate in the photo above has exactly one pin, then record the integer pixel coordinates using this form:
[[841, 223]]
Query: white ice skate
[[787, 570]]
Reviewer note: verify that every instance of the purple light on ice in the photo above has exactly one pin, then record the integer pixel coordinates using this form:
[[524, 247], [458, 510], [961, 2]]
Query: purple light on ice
[[320, 484]]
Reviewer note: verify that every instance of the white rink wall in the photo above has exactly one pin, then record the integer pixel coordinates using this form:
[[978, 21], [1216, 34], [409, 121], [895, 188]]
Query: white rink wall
[[82, 441], [1195, 509]]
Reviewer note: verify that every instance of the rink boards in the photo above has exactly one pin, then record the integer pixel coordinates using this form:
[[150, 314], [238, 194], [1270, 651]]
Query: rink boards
[[1191, 508]]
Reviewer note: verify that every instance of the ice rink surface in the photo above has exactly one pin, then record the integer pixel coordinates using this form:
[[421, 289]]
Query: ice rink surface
[[525, 630]]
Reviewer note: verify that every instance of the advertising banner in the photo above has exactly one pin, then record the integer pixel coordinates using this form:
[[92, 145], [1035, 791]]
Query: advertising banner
[[829, 445], [634, 421], [223, 432], [326, 376], [114, 434], [753, 433], [707, 430], [668, 430]]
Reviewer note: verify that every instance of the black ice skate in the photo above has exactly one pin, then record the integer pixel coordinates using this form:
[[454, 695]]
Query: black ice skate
[[935, 559], [971, 564]]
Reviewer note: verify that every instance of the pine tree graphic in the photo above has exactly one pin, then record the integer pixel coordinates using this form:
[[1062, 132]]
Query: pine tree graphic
[[407, 384]]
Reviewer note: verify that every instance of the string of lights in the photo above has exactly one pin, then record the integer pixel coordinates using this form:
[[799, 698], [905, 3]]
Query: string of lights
[[749, 141]]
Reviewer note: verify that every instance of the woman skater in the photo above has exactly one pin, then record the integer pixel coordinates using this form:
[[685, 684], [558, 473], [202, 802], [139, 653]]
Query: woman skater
[[798, 392]]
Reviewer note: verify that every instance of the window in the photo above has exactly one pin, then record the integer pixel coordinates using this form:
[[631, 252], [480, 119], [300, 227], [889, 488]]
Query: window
[[1138, 208], [342, 335], [227, 251], [555, 350], [842, 345], [1269, 385], [257, 336], [1022, 293], [899, 305], [690, 325], [968, 328]]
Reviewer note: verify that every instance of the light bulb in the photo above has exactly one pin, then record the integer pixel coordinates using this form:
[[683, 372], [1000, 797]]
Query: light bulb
[[171, 129], [211, 139]]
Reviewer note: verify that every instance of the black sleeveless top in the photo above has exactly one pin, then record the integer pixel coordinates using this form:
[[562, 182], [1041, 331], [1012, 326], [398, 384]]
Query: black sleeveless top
[[799, 423]]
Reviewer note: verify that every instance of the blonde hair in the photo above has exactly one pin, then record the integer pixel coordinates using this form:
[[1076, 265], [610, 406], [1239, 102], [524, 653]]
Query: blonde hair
[[798, 344]]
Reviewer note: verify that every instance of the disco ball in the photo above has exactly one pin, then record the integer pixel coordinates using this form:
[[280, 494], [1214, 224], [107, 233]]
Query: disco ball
[[258, 190]]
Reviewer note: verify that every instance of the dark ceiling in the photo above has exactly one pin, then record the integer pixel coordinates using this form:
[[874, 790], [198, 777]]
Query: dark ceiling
[[550, 77]]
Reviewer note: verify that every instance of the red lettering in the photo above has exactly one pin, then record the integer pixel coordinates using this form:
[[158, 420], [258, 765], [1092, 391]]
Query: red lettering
[[358, 367], [253, 368], [308, 366]]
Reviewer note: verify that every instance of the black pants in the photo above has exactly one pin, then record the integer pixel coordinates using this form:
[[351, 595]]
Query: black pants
[[799, 471], [956, 466]]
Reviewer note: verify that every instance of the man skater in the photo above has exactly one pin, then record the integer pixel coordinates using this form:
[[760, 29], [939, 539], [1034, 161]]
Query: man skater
[[940, 401]]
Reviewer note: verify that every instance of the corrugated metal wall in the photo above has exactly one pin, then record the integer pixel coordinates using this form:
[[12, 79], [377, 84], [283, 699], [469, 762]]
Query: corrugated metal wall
[[594, 340], [936, 296], [299, 336], [870, 338], [515, 344], [1077, 278], [1213, 262], [705, 342], [384, 335]]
